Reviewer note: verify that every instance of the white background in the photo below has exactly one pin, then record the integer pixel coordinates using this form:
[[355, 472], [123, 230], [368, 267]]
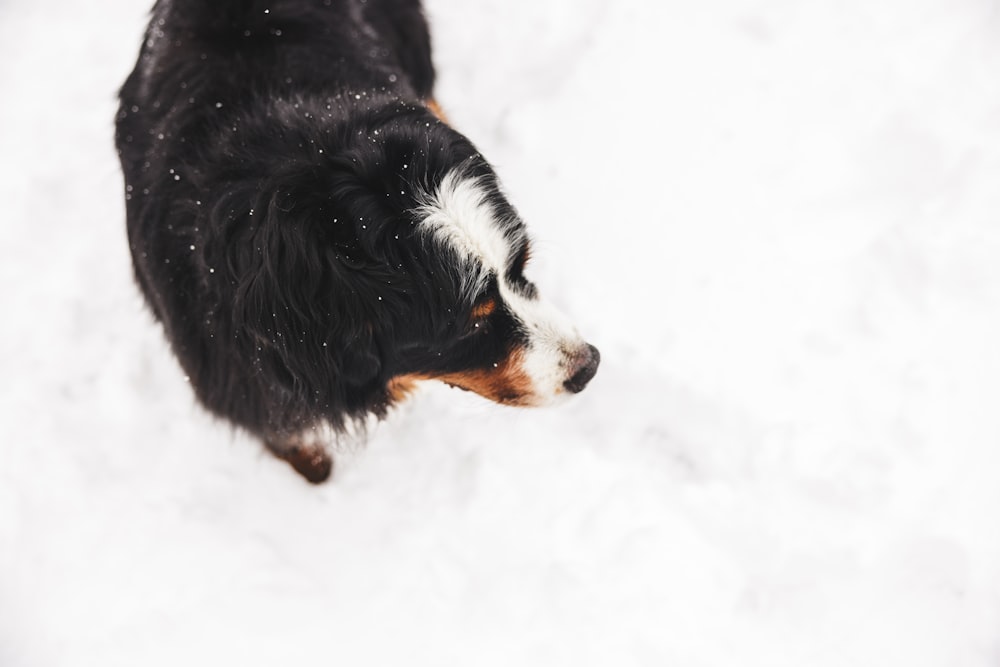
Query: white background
[[780, 223]]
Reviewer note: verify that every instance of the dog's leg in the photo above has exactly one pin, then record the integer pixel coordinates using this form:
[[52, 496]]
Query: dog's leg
[[307, 452]]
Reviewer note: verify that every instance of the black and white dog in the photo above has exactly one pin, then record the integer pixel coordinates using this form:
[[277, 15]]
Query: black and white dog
[[312, 235]]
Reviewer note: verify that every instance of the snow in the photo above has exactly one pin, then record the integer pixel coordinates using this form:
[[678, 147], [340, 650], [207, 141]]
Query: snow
[[777, 220]]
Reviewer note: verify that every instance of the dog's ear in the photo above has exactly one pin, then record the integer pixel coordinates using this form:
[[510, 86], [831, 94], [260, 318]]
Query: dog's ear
[[360, 362], [293, 301]]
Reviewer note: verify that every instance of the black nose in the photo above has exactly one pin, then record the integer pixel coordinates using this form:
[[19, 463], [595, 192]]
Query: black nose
[[584, 368]]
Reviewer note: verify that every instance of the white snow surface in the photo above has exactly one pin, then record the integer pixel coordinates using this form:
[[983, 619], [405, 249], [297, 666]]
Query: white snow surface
[[780, 223]]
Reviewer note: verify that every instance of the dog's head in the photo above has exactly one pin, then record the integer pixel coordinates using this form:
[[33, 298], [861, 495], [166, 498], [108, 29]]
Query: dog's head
[[396, 257], [495, 336]]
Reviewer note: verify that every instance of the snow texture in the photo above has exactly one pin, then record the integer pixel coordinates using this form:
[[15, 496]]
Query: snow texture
[[780, 223]]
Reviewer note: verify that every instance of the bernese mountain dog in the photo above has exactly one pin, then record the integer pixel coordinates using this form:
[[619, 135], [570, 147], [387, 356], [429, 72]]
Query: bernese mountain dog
[[311, 232]]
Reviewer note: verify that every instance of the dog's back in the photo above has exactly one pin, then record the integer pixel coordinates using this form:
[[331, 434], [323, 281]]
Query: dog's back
[[224, 51]]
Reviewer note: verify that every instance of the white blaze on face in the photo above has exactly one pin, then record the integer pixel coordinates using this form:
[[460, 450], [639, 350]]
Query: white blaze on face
[[459, 215]]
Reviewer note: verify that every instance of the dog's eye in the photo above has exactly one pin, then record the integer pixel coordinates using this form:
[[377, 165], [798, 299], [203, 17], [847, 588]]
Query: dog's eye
[[477, 327], [479, 318], [515, 273], [520, 261]]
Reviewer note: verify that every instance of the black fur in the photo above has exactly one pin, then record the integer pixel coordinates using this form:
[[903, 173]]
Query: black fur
[[274, 153]]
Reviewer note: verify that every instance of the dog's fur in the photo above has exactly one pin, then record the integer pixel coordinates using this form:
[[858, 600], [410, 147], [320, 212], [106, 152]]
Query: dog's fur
[[312, 236]]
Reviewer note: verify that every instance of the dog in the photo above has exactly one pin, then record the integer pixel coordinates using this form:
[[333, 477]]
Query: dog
[[313, 235]]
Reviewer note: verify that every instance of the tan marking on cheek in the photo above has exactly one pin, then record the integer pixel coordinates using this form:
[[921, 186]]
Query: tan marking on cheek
[[435, 109], [506, 383], [401, 386]]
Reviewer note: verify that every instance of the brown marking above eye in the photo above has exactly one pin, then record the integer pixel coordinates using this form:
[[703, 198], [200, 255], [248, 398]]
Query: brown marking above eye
[[483, 309]]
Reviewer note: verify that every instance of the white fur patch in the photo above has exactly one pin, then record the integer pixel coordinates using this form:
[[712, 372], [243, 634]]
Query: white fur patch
[[552, 340], [459, 216]]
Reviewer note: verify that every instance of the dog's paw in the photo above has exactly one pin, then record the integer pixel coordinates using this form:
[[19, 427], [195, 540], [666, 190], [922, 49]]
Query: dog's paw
[[312, 461]]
